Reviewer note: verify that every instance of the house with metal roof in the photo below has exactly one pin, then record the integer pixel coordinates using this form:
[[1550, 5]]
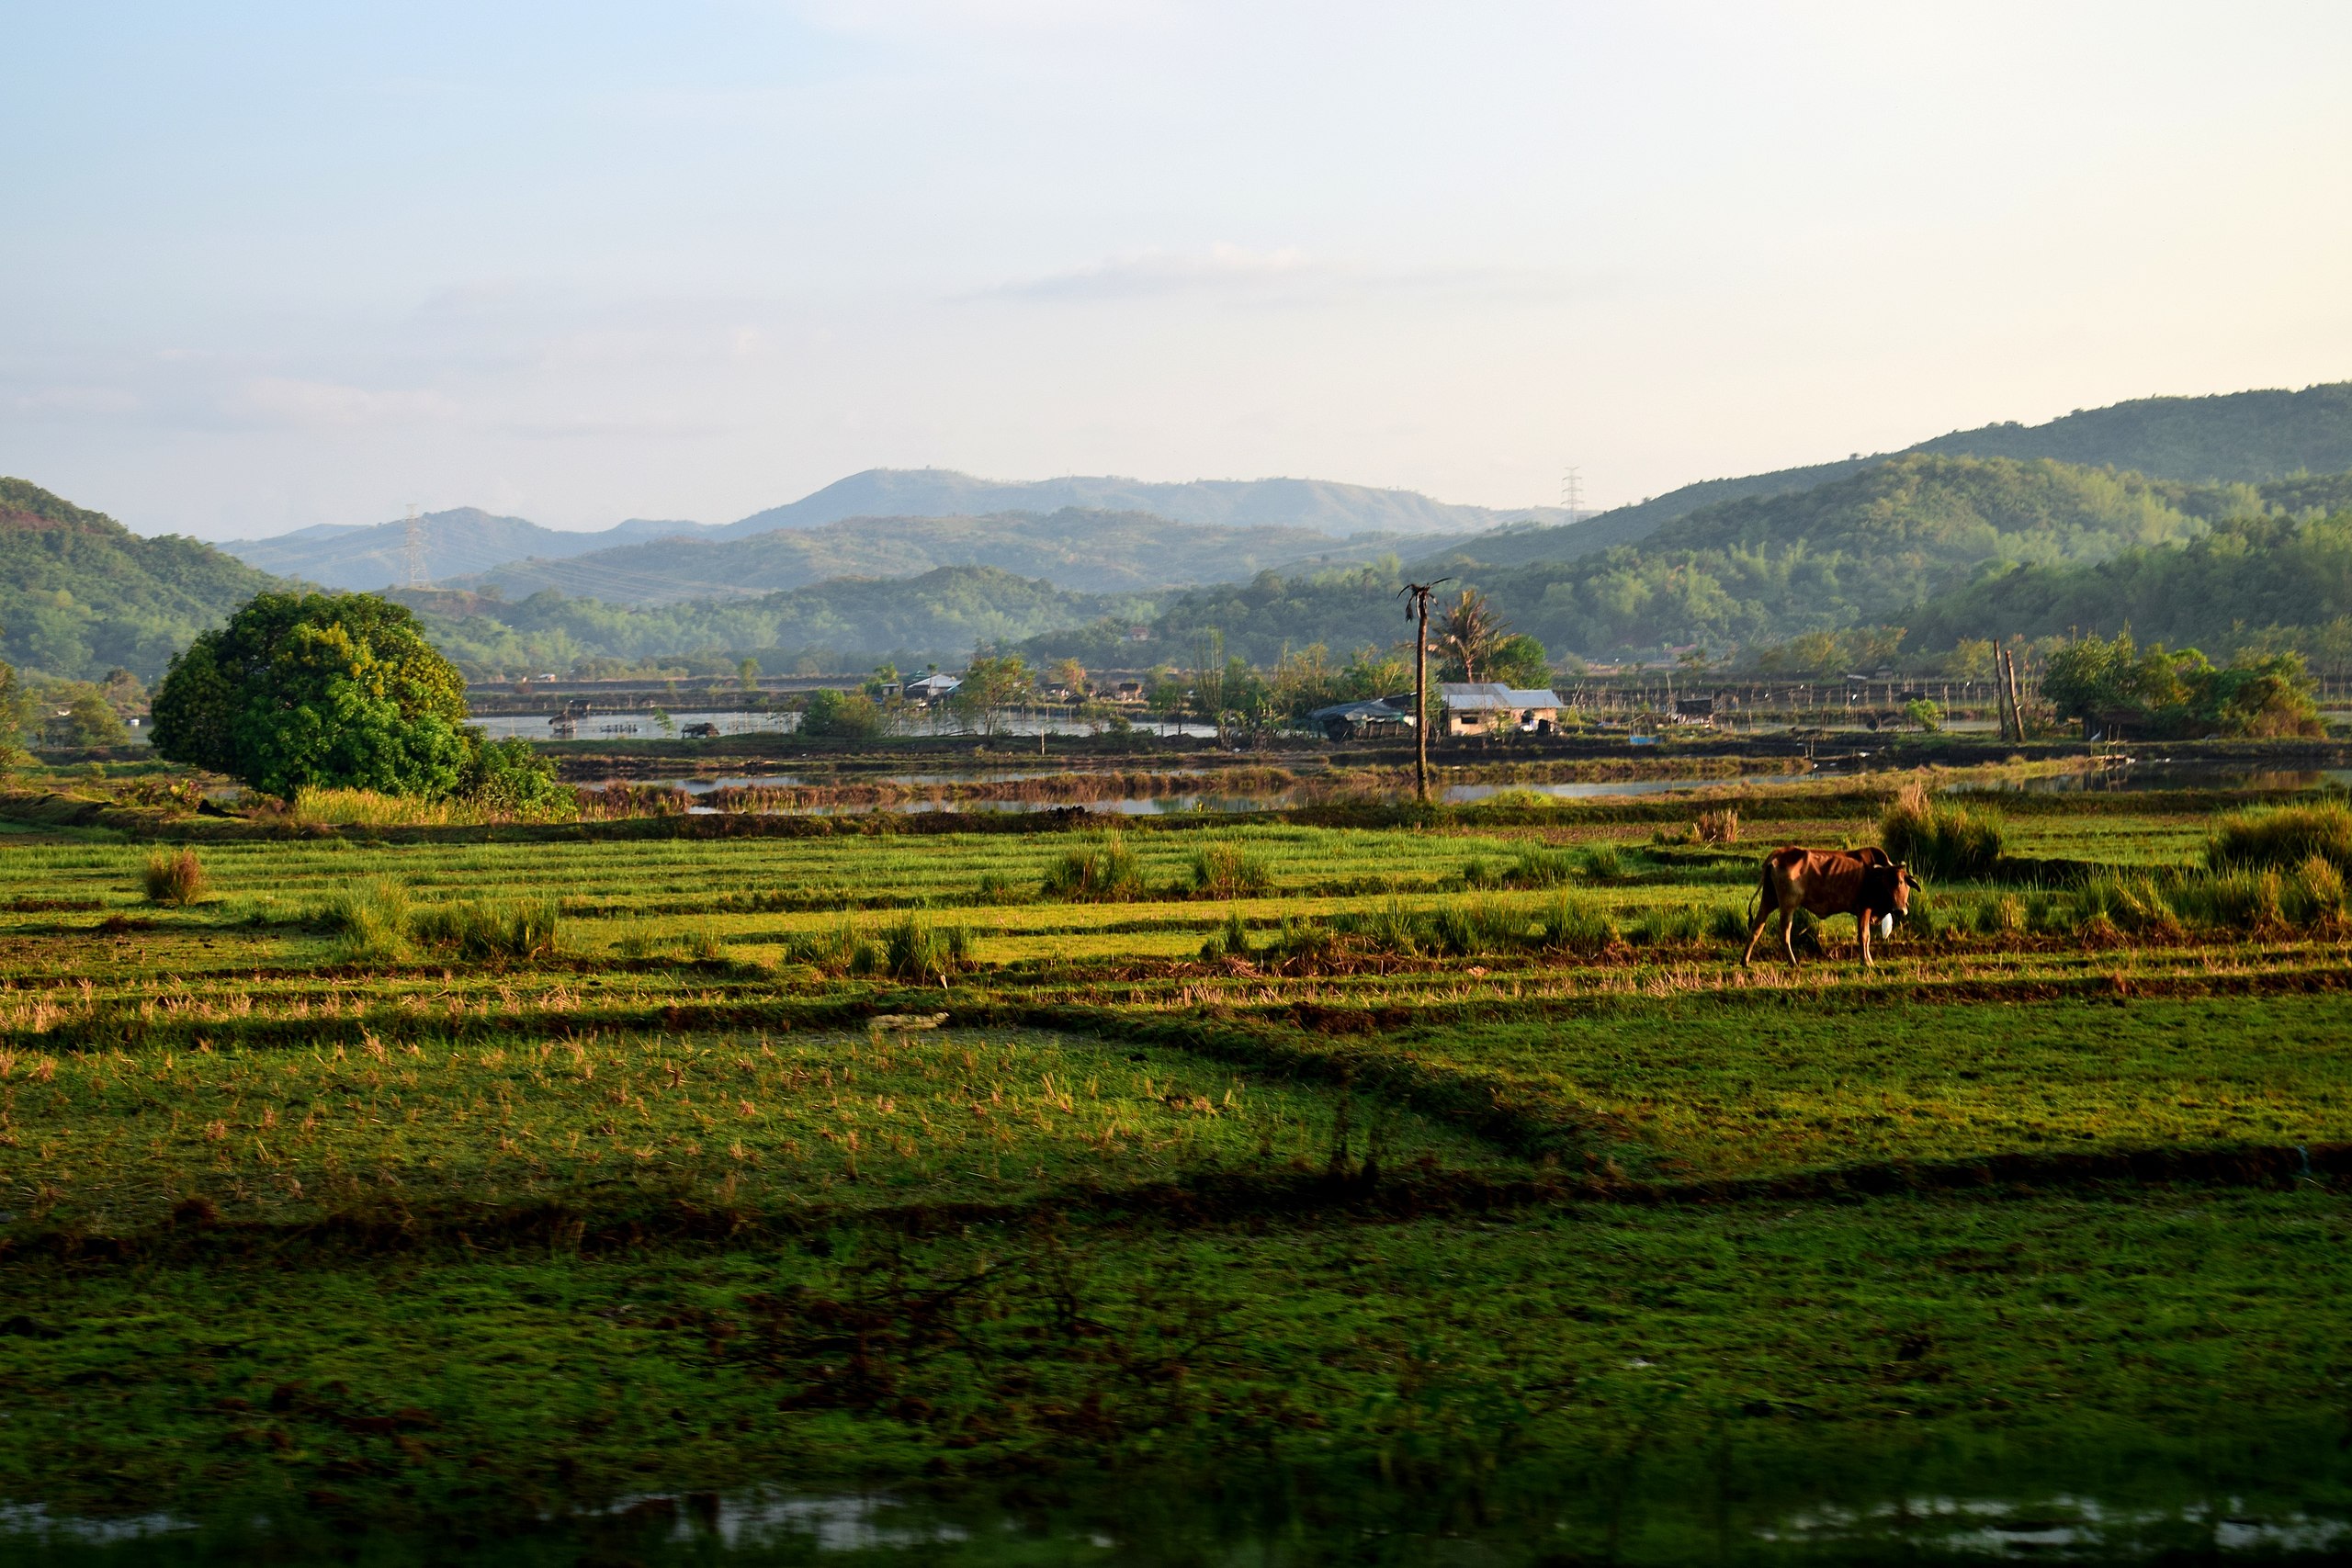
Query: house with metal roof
[[1490, 707]]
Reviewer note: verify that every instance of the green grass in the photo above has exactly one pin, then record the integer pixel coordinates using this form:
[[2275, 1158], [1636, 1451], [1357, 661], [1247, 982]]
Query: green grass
[[532, 1138], [2169, 1325]]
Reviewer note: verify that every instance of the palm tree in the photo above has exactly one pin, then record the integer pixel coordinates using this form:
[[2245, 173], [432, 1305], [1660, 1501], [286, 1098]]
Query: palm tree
[[1469, 633]]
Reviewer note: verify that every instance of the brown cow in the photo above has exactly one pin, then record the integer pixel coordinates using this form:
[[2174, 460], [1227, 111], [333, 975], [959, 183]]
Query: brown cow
[[1864, 883]]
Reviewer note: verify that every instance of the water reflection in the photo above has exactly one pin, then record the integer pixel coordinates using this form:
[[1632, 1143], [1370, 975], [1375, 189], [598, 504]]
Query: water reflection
[[1191, 1520]]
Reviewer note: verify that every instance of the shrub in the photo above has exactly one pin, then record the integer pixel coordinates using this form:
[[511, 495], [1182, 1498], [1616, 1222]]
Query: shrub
[[371, 916], [1717, 827], [1106, 873], [844, 716], [479, 931], [1227, 871], [917, 953], [2282, 835], [1938, 838], [173, 878], [2320, 891]]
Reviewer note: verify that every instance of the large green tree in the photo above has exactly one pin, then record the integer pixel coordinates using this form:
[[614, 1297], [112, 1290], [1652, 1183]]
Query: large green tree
[[317, 690]]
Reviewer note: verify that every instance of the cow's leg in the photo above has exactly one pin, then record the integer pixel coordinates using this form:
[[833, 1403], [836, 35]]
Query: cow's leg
[[1862, 917], [1789, 932], [1763, 919]]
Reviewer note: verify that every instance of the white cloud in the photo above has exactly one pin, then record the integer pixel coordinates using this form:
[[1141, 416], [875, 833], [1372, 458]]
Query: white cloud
[[1221, 269]]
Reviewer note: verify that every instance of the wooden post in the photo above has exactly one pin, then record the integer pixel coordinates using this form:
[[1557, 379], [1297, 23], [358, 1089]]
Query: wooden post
[[1419, 610]]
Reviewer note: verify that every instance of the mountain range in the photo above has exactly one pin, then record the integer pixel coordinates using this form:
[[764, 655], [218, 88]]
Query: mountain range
[[1949, 532], [467, 543], [1086, 551]]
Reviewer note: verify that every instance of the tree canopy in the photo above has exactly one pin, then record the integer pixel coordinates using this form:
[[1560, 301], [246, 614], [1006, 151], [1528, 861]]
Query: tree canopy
[[2172, 694], [316, 690]]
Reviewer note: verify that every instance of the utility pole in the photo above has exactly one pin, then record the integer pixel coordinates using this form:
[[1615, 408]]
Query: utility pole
[[1420, 609], [1572, 493], [412, 547]]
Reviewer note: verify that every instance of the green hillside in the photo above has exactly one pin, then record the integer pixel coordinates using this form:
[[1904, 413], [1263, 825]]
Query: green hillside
[[79, 595], [2277, 581], [2237, 437], [1092, 551], [843, 624], [2234, 438], [1843, 554]]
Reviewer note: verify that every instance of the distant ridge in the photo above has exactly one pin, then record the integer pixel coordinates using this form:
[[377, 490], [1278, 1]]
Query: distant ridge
[[1320, 505], [458, 542], [1084, 552]]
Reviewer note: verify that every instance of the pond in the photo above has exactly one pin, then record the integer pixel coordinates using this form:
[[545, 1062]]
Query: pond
[[1733, 1516]]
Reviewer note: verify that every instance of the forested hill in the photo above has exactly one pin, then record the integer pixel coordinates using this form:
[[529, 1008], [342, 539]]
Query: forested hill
[[79, 595], [848, 623], [2280, 580], [2241, 437], [1843, 554], [1098, 552], [2235, 437]]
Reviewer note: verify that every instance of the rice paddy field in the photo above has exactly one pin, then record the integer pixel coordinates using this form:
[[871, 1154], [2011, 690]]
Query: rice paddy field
[[1336, 1184]]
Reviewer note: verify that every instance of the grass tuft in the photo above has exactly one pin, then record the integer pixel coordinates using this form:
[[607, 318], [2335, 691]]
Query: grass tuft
[[1938, 839], [175, 879], [2281, 836]]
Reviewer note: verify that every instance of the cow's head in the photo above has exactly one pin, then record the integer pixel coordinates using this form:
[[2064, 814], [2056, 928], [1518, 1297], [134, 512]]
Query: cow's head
[[1888, 889]]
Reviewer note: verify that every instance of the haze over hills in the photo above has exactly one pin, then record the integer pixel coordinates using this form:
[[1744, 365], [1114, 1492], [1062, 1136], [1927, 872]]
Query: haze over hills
[[460, 541], [1087, 551], [1318, 505]]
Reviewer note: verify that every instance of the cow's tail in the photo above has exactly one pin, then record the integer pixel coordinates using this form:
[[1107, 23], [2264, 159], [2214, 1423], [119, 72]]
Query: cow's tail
[[1756, 899]]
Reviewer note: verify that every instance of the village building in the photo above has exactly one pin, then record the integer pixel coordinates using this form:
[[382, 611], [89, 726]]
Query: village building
[[1490, 707]]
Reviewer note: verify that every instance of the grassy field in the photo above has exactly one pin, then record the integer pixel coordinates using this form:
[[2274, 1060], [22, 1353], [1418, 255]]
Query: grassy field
[[356, 1177]]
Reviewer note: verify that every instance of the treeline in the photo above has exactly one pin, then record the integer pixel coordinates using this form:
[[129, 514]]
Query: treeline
[[847, 624], [2266, 583]]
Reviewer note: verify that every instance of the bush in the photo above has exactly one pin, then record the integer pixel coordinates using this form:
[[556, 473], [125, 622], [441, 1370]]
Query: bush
[[840, 716], [1924, 715], [1938, 838], [1107, 873], [481, 931], [1718, 827], [2282, 835], [1227, 871], [173, 878], [371, 916], [916, 953], [514, 781]]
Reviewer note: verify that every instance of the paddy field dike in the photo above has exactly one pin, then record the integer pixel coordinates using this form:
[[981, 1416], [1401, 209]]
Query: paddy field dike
[[1350, 1176]]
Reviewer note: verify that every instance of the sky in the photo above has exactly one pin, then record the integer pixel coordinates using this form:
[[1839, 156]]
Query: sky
[[275, 265]]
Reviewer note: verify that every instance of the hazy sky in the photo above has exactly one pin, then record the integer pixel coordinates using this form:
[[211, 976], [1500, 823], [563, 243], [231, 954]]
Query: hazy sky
[[275, 264]]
